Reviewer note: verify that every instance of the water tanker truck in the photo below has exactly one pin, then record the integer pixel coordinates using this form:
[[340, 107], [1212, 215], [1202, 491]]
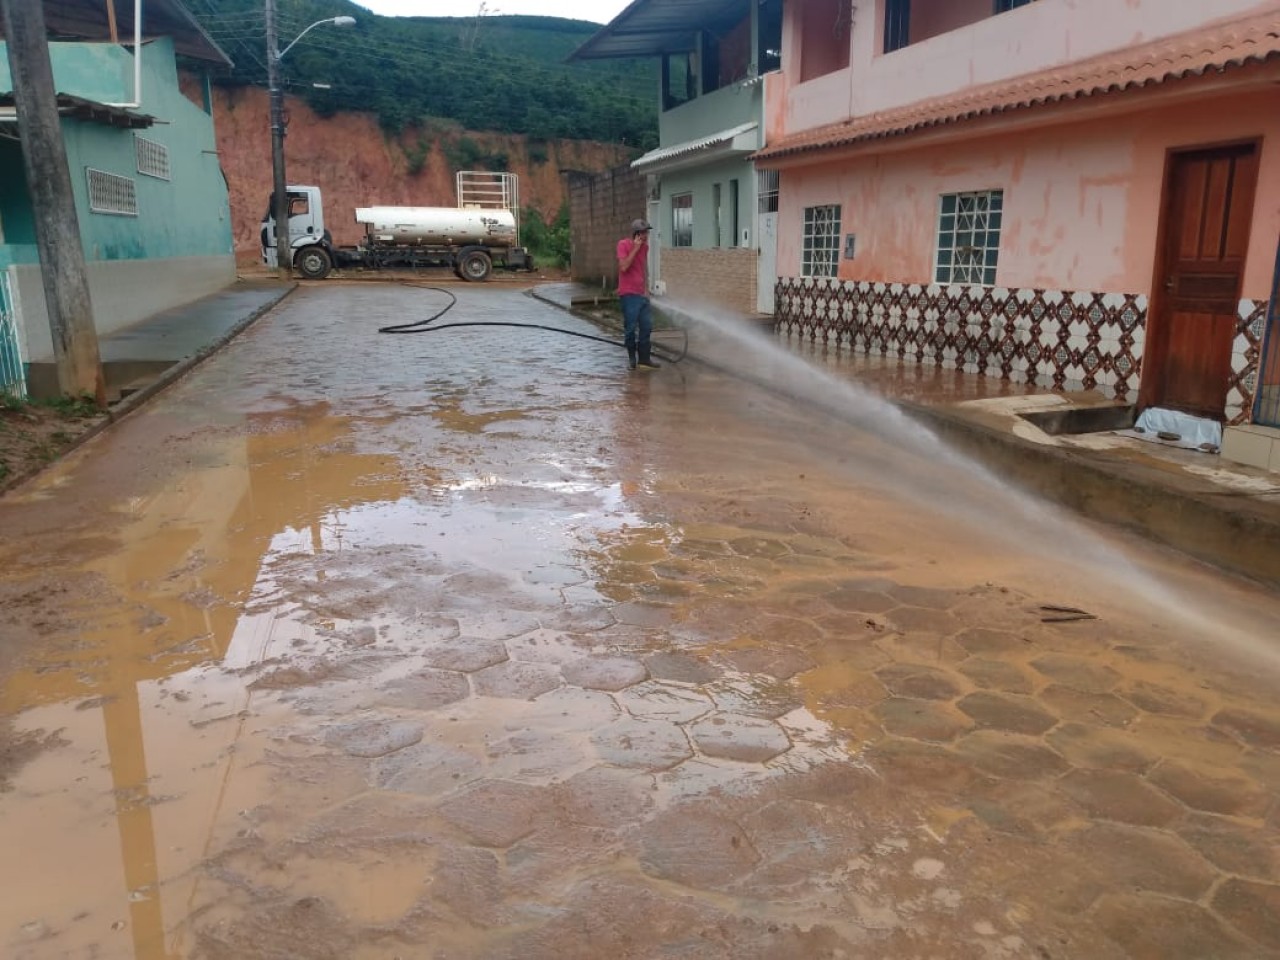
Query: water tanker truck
[[481, 232]]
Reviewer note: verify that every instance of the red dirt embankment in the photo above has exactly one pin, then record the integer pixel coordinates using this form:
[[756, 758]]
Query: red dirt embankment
[[356, 164]]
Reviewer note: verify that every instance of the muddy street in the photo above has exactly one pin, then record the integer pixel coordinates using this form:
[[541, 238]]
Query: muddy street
[[475, 645]]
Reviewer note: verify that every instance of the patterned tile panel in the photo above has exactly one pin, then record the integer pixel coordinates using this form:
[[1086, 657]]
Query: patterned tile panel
[[1064, 340], [1246, 358]]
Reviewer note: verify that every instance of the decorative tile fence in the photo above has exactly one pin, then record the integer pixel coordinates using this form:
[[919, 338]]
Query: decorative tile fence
[[1056, 339]]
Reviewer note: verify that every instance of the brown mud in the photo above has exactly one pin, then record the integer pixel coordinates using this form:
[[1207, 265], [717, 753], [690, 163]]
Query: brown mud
[[474, 645]]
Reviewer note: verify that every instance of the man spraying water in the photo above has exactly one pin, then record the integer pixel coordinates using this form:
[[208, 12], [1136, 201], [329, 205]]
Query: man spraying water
[[633, 291]]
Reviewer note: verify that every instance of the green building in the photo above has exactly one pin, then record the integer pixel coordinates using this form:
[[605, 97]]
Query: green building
[[151, 199]]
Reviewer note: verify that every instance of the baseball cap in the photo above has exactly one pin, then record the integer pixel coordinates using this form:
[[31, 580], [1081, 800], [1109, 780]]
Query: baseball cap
[[638, 226]]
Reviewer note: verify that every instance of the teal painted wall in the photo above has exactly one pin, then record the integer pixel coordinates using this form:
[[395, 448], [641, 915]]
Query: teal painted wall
[[719, 110], [700, 181], [187, 215]]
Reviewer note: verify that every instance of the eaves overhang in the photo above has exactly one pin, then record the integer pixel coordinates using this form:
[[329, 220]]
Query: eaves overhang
[[78, 108], [651, 28], [742, 140]]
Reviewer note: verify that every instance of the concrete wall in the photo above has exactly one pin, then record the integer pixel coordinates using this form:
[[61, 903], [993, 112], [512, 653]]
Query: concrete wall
[[1081, 201], [725, 277], [123, 292], [601, 208], [700, 181], [1030, 38]]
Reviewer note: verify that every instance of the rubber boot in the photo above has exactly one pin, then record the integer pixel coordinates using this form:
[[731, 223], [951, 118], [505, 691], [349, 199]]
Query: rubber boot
[[647, 362]]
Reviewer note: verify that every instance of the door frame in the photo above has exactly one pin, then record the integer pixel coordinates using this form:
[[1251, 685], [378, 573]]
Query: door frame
[[1156, 338]]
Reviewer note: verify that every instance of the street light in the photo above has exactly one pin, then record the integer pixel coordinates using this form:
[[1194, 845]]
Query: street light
[[280, 190]]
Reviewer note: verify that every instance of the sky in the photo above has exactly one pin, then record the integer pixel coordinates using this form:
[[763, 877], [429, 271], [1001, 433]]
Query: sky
[[597, 11]]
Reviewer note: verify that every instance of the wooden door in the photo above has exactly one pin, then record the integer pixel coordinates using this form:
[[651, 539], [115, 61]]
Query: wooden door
[[1208, 206]]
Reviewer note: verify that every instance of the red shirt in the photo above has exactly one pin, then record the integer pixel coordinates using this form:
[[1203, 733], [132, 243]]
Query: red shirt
[[632, 279]]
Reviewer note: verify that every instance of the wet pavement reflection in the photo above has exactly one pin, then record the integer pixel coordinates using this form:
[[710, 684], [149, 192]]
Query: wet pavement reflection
[[475, 645]]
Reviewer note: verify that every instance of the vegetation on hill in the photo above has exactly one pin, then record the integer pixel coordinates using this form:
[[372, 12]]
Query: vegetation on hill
[[481, 72]]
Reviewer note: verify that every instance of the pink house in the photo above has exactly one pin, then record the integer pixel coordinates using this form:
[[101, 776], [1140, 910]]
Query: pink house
[[1079, 194]]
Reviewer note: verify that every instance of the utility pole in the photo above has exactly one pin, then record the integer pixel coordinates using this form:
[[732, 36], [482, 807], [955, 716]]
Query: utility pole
[[280, 190], [62, 264]]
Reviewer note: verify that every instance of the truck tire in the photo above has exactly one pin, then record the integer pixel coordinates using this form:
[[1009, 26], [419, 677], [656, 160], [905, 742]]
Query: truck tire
[[475, 266], [314, 263]]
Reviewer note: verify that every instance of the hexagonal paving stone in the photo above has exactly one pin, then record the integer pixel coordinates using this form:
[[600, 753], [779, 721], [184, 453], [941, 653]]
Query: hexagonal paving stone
[[604, 673], [923, 620], [754, 697], [1010, 756], [496, 813], [863, 601], [1255, 729], [918, 681], [428, 769], [1152, 698], [1007, 711], [1087, 676], [922, 766], [781, 663], [662, 701], [605, 796], [425, 690], [1091, 746], [1210, 790], [1233, 847], [1020, 807], [928, 597], [921, 719], [759, 547], [642, 744], [980, 642], [1114, 795], [1072, 704], [1151, 927], [680, 667], [1137, 858], [997, 675], [731, 737], [696, 849], [374, 737], [498, 624], [1252, 908], [548, 646], [466, 654], [516, 680], [640, 614]]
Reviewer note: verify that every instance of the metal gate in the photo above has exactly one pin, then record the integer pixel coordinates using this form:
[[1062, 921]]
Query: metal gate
[[1266, 404], [13, 377]]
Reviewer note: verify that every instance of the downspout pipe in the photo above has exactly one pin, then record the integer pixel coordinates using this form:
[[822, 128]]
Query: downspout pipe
[[137, 60]]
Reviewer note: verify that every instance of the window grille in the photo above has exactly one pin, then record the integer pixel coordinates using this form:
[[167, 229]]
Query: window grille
[[767, 190], [682, 220], [111, 193], [153, 158], [969, 237], [821, 241]]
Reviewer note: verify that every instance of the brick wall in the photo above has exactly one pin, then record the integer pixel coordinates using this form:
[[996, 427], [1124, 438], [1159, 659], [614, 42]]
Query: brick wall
[[601, 208], [725, 276]]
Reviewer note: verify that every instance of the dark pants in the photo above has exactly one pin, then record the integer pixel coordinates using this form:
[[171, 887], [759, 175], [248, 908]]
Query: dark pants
[[637, 324]]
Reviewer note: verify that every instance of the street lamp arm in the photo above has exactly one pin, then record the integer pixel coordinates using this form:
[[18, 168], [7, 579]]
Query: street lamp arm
[[336, 21]]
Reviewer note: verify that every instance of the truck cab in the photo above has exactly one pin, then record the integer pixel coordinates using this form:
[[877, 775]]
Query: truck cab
[[310, 241]]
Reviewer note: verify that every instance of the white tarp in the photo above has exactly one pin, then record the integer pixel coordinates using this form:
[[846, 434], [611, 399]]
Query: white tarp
[[1179, 429]]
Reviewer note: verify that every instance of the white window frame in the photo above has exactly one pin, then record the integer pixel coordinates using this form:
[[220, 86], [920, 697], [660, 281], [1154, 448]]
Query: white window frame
[[111, 194], [682, 233], [152, 158], [767, 190], [968, 240], [820, 241]]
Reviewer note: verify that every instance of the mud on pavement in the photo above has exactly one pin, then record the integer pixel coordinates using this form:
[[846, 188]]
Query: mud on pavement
[[475, 645]]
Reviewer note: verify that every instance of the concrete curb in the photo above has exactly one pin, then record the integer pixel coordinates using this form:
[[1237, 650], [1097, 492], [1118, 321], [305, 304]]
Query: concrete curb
[[1238, 534], [135, 400]]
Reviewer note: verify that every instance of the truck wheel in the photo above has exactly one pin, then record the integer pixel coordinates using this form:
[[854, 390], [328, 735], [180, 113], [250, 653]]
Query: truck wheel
[[475, 266], [313, 263]]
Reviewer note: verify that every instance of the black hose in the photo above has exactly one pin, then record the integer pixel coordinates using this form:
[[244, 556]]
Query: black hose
[[426, 326]]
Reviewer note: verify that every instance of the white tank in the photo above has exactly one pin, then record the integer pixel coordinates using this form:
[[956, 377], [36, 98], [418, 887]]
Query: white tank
[[421, 226]]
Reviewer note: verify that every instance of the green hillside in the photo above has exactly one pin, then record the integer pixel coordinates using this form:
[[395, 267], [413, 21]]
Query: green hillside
[[484, 72]]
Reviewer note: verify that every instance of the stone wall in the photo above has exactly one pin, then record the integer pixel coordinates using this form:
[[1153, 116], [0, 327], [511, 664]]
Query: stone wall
[[601, 208], [1057, 339], [725, 276]]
